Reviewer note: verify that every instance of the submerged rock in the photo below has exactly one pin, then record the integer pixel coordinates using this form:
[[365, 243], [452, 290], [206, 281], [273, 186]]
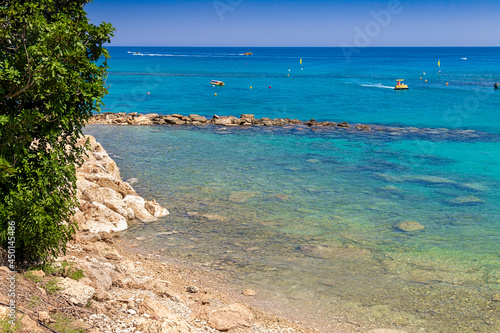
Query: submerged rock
[[249, 292], [391, 188], [324, 252], [430, 180], [213, 217], [241, 197], [408, 226], [469, 200]]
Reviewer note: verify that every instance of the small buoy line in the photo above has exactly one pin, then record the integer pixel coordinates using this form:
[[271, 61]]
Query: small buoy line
[[399, 86], [495, 85]]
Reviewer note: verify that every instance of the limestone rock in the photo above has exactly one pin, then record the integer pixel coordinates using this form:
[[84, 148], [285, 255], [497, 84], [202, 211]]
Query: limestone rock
[[75, 292], [192, 289], [99, 218], [40, 273], [249, 292], [83, 184], [174, 120], [172, 324], [138, 205], [122, 280], [248, 117], [143, 120], [230, 317], [45, 318], [97, 274], [223, 120], [101, 194], [91, 167], [408, 226], [116, 184], [155, 209], [153, 308], [119, 207], [199, 118], [102, 295]]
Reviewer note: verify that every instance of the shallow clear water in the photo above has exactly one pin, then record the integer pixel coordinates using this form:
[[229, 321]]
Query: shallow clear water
[[269, 191], [306, 217]]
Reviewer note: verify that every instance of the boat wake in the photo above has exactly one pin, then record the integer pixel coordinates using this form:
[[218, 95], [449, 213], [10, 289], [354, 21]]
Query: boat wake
[[184, 55], [377, 85]]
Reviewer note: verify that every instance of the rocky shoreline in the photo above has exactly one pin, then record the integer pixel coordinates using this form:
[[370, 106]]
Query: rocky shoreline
[[103, 287]]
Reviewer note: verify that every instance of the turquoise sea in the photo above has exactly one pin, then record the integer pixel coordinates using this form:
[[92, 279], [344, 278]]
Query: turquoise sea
[[307, 217]]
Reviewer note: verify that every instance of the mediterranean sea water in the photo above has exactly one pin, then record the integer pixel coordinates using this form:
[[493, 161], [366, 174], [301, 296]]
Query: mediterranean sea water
[[308, 218]]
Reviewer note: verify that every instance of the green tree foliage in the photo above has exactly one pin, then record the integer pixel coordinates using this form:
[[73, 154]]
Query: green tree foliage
[[52, 77]]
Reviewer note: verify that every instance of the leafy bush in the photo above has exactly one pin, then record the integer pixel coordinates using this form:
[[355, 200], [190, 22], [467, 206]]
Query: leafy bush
[[52, 78]]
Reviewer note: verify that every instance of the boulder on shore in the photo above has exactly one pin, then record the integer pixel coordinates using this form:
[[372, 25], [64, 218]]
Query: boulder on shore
[[106, 201]]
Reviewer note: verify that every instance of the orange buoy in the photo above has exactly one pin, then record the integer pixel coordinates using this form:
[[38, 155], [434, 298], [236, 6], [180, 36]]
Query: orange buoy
[[250, 87], [446, 83], [288, 74], [425, 80], [148, 92], [215, 94]]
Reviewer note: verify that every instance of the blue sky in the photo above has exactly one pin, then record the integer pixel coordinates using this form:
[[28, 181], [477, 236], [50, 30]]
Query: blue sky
[[300, 23]]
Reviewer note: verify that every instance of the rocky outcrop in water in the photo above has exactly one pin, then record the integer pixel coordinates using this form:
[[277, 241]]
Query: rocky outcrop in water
[[106, 201], [249, 120], [194, 119]]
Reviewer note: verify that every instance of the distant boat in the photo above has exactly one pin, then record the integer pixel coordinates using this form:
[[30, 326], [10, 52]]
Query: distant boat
[[247, 53], [464, 58], [217, 83], [301, 64], [400, 86], [137, 53]]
